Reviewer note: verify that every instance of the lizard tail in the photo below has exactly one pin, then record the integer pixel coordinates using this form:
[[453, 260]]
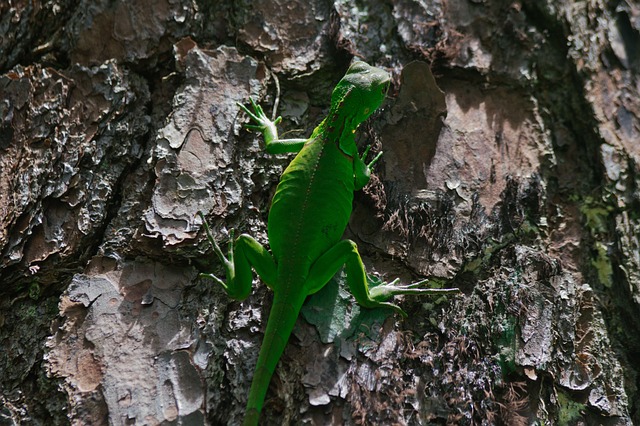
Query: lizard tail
[[282, 319]]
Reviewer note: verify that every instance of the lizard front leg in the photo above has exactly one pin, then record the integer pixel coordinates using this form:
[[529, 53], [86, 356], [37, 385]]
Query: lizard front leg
[[243, 254], [346, 253], [269, 131], [362, 170]]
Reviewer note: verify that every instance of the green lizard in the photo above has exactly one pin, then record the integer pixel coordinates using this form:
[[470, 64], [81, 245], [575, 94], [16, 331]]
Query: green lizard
[[309, 213]]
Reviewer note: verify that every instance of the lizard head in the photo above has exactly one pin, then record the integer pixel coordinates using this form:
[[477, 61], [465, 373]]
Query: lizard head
[[361, 91]]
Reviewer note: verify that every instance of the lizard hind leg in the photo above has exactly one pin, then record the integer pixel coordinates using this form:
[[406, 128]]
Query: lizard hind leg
[[346, 253], [243, 254]]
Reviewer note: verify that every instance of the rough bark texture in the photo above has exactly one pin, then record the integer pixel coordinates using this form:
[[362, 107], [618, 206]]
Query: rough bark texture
[[514, 174]]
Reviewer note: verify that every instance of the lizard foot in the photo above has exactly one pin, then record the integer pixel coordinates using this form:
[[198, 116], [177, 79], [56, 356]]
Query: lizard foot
[[385, 291]]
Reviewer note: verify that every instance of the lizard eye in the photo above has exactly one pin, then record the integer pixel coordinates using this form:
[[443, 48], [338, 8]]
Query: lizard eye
[[366, 110]]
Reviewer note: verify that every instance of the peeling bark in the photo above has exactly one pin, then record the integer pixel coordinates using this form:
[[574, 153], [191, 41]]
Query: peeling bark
[[510, 169]]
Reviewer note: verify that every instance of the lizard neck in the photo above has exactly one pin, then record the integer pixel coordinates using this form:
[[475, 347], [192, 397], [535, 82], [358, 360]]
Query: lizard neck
[[339, 128]]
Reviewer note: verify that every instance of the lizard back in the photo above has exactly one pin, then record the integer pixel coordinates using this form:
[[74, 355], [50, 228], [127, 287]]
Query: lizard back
[[312, 204]]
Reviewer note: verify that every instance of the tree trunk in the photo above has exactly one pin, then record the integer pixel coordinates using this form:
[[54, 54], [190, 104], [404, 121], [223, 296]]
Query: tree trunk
[[511, 169]]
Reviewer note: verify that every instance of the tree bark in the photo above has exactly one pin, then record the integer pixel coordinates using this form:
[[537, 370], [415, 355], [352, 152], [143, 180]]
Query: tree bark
[[511, 169]]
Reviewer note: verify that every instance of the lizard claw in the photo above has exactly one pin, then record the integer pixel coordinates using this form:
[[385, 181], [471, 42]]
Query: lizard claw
[[262, 123], [375, 159], [213, 278], [258, 116], [226, 260], [388, 290]]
